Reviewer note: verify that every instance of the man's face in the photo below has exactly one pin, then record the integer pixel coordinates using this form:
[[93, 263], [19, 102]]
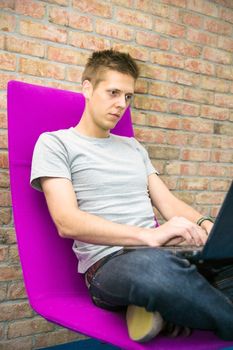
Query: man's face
[[107, 102]]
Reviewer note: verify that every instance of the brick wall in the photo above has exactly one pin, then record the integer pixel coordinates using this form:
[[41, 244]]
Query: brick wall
[[182, 110]]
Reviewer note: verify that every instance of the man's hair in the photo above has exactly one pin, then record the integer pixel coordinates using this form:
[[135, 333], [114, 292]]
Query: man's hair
[[101, 61]]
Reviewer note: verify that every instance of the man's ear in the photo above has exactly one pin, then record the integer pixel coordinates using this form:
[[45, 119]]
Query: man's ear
[[87, 89]]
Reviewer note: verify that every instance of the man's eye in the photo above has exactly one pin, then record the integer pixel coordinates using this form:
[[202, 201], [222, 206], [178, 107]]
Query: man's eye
[[128, 97], [113, 92]]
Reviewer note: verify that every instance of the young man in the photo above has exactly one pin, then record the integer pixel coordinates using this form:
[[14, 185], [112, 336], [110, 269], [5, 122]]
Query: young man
[[101, 189]]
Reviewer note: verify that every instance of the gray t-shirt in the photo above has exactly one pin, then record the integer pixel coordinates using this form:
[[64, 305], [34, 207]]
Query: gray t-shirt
[[109, 177]]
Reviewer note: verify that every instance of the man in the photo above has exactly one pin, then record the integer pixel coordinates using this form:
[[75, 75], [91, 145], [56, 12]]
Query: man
[[101, 189]]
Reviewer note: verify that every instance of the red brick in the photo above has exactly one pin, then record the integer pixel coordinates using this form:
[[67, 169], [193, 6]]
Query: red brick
[[193, 184], [3, 139], [171, 183], [167, 59], [4, 160], [5, 217], [223, 129], [212, 170], [3, 291], [80, 22], [224, 72], [41, 68], [222, 156], [8, 273], [7, 235], [137, 53], [159, 166], [30, 8], [183, 78], [7, 61], [166, 90], [3, 99], [225, 43], [176, 168], [27, 47], [5, 198], [183, 108], [219, 185], [223, 100], [209, 198], [216, 55], [141, 86], [57, 337], [13, 254], [43, 31], [218, 27], [152, 72], [74, 74], [28, 327], [186, 49], [134, 18], [16, 290], [149, 135], [180, 3], [4, 179], [176, 138], [199, 66], [195, 155], [25, 343], [138, 118], [113, 30], [197, 125], [163, 121], [2, 42], [200, 96], [169, 28], [152, 7], [7, 22], [7, 4], [186, 197], [152, 40], [67, 55], [59, 2], [214, 84], [162, 152], [3, 253], [149, 103], [87, 41], [126, 3], [214, 112], [59, 15], [192, 20], [95, 7], [226, 14], [201, 37], [203, 7]]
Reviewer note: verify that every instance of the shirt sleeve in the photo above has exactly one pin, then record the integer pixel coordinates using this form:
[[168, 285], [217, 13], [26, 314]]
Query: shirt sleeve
[[149, 167], [50, 159]]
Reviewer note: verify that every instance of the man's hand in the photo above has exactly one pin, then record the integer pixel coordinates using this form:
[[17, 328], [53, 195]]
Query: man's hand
[[177, 230]]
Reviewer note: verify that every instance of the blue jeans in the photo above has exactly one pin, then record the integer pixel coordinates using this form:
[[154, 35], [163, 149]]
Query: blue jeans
[[186, 294]]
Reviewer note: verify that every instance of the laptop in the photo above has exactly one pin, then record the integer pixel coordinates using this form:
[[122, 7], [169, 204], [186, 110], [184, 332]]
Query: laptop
[[219, 245]]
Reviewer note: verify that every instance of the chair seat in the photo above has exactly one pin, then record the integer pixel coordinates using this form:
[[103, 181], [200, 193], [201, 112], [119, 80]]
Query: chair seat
[[77, 313]]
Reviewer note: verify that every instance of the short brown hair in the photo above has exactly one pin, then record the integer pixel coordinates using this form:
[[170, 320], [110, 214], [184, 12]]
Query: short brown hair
[[100, 61]]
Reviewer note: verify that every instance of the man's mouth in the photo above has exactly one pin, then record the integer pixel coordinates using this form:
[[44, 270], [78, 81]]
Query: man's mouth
[[116, 115]]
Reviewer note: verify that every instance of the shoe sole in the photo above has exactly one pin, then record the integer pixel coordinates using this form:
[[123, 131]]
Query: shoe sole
[[143, 325]]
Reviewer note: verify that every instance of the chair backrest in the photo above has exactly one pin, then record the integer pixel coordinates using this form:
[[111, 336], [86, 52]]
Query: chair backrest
[[47, 260]]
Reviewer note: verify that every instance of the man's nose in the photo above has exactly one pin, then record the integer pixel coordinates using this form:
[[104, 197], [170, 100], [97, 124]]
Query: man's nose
[[122, 101]]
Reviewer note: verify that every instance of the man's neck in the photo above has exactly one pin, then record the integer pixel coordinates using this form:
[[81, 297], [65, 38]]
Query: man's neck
[[87, 129]]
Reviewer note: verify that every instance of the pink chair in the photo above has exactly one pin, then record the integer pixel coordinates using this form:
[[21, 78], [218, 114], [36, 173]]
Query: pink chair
[[55, 290]]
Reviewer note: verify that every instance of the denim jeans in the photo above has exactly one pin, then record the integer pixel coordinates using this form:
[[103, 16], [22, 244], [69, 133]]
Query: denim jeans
[[186, 294]]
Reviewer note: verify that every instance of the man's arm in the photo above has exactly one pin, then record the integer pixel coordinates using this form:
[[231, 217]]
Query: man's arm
[[169, 206], [71, 222]]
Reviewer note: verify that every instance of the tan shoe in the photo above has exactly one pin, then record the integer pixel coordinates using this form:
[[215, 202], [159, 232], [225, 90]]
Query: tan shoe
[[143, 325]]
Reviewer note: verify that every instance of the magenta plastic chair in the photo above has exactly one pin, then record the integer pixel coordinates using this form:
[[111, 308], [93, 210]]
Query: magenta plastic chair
[[55, 290]]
